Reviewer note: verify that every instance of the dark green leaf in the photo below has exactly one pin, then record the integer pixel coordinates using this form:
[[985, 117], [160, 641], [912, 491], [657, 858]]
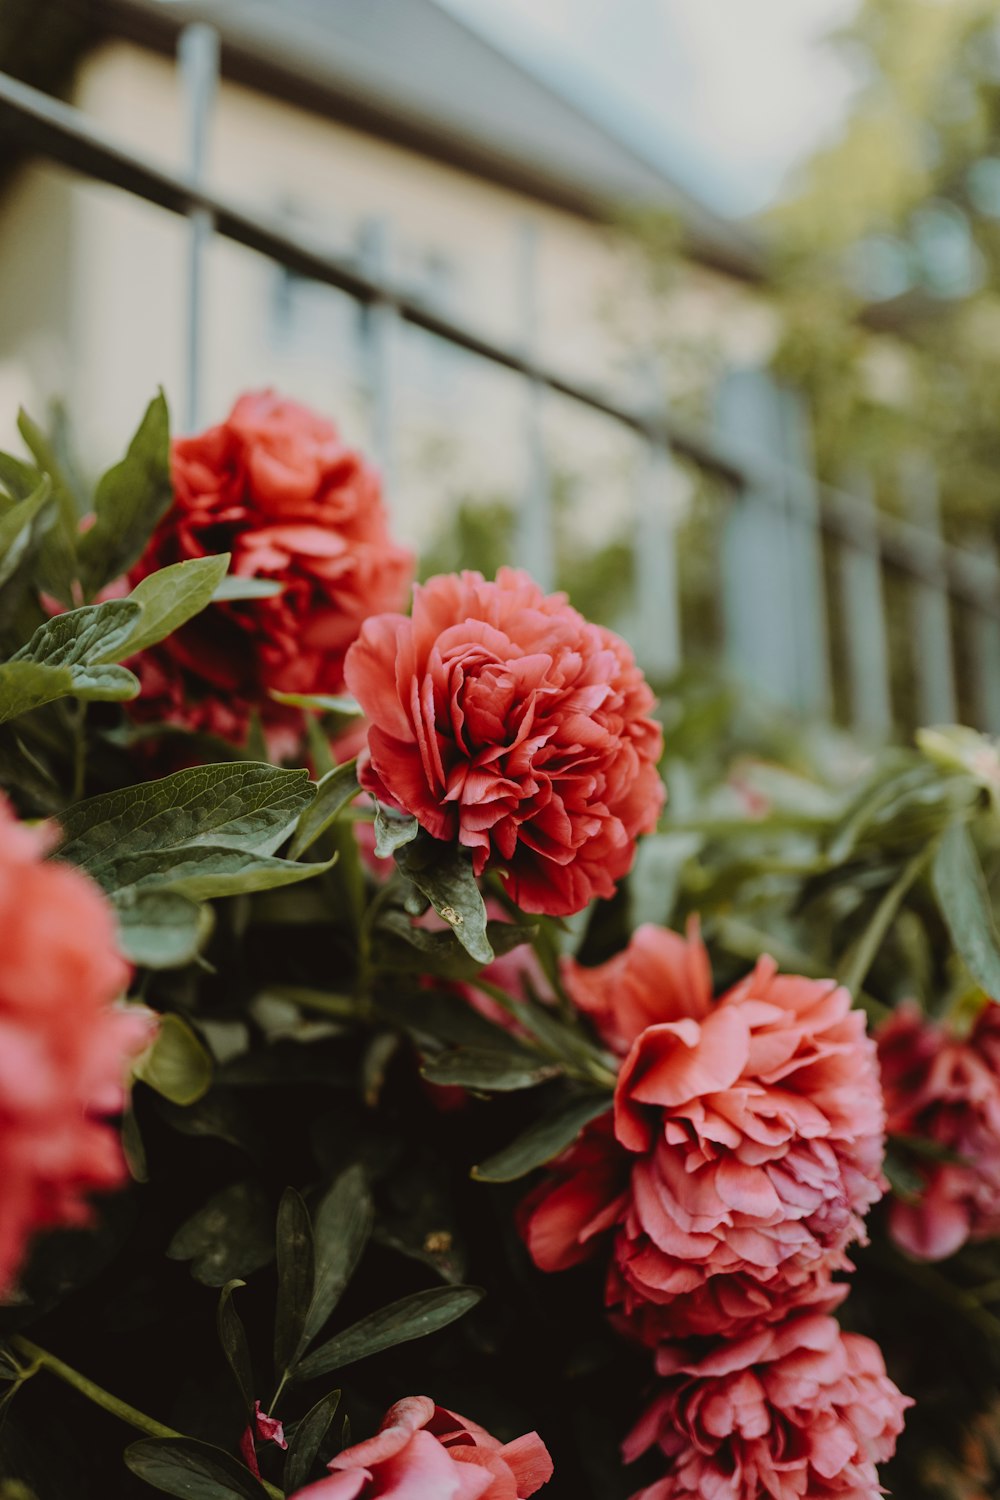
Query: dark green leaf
[[491, 1072], [192, 1470], [202, 873], [177, 1065], [172, 596], [415, 950], [545, 1139], [441, 1016], [129, 501], [443, 873], [853, 967], [333, 792], [90, 636], [409, 1318], [294, 1242], [392, 830], [304, 1448], [232, 1337], [342, 1225], [230, 1237], [237, 805], [160, 929], [20, 531], [964, 900]]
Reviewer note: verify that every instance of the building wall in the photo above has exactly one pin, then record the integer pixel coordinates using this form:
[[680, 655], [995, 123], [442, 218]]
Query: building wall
[[101, 322]]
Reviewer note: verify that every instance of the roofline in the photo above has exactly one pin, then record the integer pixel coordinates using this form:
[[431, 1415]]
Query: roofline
[[727, 251]]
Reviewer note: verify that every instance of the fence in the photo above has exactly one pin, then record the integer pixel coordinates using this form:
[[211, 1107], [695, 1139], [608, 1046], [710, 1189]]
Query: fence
[[786, 539]]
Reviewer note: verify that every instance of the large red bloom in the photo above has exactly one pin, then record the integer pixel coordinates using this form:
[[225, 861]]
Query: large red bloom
[[503, 720], [423, 1452], [63, 1048], [796, 1412], [945, 1090], [277, 487], [744, 1149]]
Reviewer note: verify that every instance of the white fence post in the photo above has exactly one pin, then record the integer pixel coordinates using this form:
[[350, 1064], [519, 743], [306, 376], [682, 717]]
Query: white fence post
[[535, 539], [759, 628], [807, 581], [658, 632], [984, 640], [198, 57], [930, 612], [379, 339], [863, 611]]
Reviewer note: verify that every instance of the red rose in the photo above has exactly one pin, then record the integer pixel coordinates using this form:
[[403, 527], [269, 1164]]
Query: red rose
[[945, 1090], [744, 1150], [276, 486], [423, 1452], [797, 1412], [64, 1049], [503, 721]]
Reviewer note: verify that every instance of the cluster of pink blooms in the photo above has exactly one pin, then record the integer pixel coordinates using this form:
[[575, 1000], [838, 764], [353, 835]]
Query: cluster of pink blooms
[[743, 1151], [945, 1090], [64, 1047]]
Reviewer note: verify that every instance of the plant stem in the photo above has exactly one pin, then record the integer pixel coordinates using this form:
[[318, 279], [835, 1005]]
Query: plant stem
[[42, 1359], [80, 751], [95, 1393]]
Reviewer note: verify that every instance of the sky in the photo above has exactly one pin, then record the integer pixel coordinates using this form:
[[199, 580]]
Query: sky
[[734, 92]]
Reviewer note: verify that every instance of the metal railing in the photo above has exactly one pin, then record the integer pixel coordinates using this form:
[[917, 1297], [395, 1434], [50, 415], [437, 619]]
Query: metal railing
[[780, 520]]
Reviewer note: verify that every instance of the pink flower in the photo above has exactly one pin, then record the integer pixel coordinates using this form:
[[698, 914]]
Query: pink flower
[[945, 1091], [64, 1048], [423, 1452], [795, 1412], [503, 721], [264, 1429], [745, 1149], [277, 487]]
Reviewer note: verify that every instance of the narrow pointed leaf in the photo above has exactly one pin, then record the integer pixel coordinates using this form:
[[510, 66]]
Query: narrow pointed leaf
[[192, 1470], [229, 1237], [342, 1225], [545, 1139], [129, 501], [232, 1337], [294, 1243], [443, 874], [490, 1072], [232, 590], [410, 1318], [304, 1448], [964, 900], [333, 792], [172, 596]]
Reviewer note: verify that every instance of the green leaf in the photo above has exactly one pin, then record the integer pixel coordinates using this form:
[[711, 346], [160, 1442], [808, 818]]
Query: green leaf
[[89, 636], [73, 650], [172, 596], [853, 967], [232, 1337], [333, 792], [20, 531], [294, 1241], [194, 1471], [203, 873], [129, 501], [492, 1072], [321, 703], [43, 451], [231, 589], [392, 831], [236, 805], [545, 1139], [177, 1065], [229, 1237], [415, 950], [343, 1223], [25, 685], [160, 929], [304, 1448], [440, 1016], [410, 1318], [964, 900], [443, 873]]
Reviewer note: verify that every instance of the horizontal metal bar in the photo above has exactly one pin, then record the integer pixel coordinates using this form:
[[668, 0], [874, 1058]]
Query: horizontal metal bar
[[65, 134]]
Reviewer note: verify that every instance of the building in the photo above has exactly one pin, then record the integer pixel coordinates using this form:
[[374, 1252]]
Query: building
[[391, 130]]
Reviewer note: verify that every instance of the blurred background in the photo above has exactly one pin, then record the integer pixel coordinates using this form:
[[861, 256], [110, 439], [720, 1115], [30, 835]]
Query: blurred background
[[689, 306]]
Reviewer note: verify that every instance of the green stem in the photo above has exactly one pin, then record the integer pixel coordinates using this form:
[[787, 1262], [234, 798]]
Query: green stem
[[42, 1359], [80, 751]]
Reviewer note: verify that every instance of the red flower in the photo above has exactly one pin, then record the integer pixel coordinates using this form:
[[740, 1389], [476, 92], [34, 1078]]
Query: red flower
[[797, 1412], [745, 1148], [63, 1047], [945, 1091], [276, 486], [264, 1429], [504, 721], [423, 1452]]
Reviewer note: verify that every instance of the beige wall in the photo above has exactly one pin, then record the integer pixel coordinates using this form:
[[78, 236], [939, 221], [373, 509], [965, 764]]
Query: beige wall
[[100, 319]]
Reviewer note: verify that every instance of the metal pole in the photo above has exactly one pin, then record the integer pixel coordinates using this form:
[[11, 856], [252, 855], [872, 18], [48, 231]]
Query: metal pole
[[380, 335], [863, 612], [535, 532], [198, 57], [931, 615], [984, 633]]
